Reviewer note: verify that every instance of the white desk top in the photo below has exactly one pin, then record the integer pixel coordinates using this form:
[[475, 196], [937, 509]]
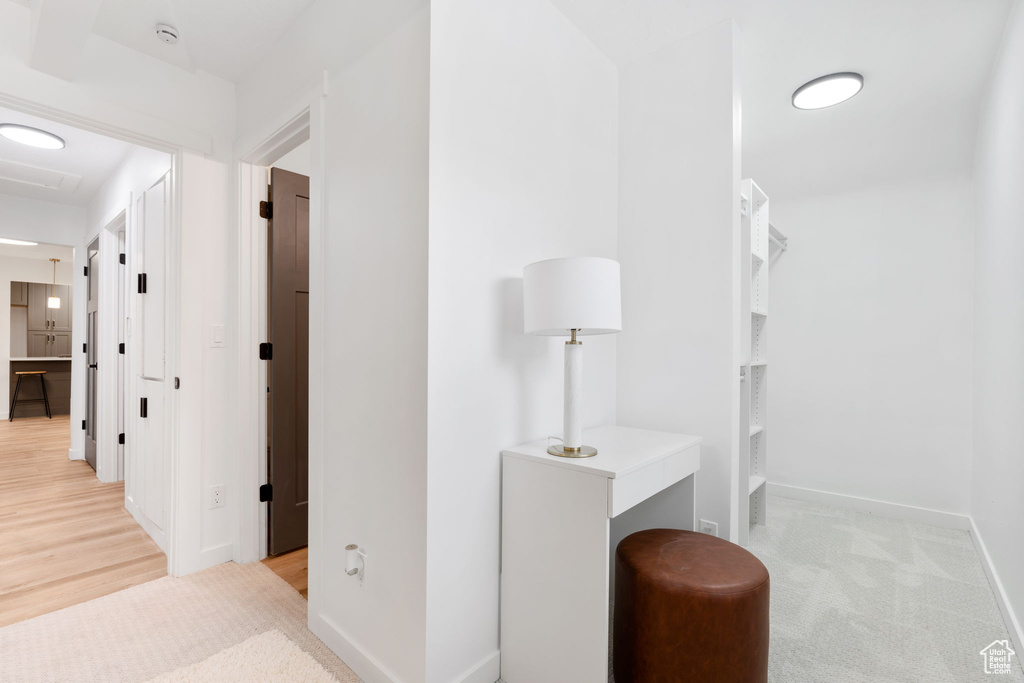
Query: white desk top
[[620, 450], [45, 359]]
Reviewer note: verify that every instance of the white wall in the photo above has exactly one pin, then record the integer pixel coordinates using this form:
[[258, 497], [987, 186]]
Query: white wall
[[368, 278], [14, 269], [997, 505], [374, 418], [870, 344], [296, 161], [678, 237], [207, 437], [523, 167]]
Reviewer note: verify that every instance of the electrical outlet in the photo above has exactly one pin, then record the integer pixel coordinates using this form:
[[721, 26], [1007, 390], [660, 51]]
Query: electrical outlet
[[707, 527], [217, 496]]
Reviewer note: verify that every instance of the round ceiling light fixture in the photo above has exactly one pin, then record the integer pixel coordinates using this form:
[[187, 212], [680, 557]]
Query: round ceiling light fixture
[[27, 135], [828, 90]]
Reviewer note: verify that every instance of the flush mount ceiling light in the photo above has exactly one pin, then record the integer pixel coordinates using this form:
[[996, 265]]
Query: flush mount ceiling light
[[18, 243], [828, 90], [27, 135]]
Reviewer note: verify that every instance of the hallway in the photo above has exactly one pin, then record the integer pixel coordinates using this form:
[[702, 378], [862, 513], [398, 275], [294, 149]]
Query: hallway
[[65, 538]]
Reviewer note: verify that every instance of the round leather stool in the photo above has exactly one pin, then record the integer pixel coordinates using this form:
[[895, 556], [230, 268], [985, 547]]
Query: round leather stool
[[689, 607]]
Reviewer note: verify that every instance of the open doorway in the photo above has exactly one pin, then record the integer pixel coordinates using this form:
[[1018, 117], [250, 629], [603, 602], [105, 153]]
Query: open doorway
[[70, 534], [287, 356]]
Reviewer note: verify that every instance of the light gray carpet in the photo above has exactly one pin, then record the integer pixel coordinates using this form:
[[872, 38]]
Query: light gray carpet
[[863, 598]]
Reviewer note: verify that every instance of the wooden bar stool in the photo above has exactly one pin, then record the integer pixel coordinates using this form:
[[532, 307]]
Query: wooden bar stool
[[17, 387]]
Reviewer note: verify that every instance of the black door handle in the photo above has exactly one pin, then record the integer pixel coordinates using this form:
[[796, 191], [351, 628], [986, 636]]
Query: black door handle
[[92, 365]]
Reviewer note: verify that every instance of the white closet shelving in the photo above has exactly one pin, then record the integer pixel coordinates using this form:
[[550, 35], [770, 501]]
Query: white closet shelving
[[757, 237]]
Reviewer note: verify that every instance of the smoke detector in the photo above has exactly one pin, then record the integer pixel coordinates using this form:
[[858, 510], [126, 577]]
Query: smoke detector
[[167, 33]]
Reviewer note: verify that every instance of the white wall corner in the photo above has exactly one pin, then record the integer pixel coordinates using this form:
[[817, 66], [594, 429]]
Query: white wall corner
[[1013, 625], [487, 670], [76, 454], [366, 667]]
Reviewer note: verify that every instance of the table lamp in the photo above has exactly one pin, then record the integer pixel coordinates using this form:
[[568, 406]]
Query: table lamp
[[572, 297]]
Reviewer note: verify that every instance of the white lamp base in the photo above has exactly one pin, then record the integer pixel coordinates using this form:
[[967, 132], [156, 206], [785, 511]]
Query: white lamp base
[[572, 446], [583, 452]]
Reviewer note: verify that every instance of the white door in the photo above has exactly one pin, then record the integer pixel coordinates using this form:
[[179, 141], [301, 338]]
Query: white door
[[148, 468]]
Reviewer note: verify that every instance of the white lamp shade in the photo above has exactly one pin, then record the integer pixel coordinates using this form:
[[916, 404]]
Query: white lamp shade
[[53, 302], [577, 293]]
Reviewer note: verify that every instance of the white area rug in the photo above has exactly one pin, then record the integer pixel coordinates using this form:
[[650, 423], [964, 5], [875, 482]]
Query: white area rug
[[270, 656], [160, 627], [863, 598]]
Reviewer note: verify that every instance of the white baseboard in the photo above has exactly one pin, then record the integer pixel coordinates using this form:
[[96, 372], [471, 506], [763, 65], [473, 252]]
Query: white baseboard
[[487, 670], [157, 534], [357, 659], [948, 520], [76, 454], [1009, 617], [204, 559]]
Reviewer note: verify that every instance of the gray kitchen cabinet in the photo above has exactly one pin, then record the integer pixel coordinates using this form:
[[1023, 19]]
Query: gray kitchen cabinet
[[19, 294], [38, 344], [60, 318], [38, 316], [60, 344]]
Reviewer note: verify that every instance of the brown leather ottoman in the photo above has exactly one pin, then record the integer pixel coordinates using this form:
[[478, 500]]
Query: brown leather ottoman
[[689, 607]]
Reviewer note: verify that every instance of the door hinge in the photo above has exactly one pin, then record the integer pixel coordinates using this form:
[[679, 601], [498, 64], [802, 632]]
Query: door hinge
[[142, 283], [120, 348], [266, 351], [177, 383], [120, 439], [83, 424], [121, 259], [266, 209], [85, 348], [266, 493], [143, 407], [86, 273]]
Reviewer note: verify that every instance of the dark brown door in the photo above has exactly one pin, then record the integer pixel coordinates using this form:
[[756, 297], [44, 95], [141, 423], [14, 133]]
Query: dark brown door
[[288, 325]]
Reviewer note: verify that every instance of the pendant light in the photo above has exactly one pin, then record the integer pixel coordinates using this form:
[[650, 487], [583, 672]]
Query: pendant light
[[54, 300]]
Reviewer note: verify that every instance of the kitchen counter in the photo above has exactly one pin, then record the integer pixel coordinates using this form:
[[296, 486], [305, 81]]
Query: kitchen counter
[[58, 385]]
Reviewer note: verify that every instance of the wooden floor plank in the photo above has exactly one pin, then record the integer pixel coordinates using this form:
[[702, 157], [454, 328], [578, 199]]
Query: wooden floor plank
[[65, 538], [293, 567]]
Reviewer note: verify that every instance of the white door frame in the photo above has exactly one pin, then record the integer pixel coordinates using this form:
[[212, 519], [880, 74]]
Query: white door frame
[[172, 259], [301, 121]]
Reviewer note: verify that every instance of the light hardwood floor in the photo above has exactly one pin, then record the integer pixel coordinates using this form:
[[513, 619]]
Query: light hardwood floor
[[65, 538], [293, 567]]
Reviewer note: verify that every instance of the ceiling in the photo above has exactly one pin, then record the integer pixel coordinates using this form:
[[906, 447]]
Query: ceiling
[[222, 37], [40, 251], [926, 65], [66, 176]]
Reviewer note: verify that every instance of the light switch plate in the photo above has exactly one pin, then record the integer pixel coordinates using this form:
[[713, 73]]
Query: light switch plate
[[217, 336]]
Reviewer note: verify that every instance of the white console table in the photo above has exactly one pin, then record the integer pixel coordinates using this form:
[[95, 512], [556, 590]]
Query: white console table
[[560, 523]]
